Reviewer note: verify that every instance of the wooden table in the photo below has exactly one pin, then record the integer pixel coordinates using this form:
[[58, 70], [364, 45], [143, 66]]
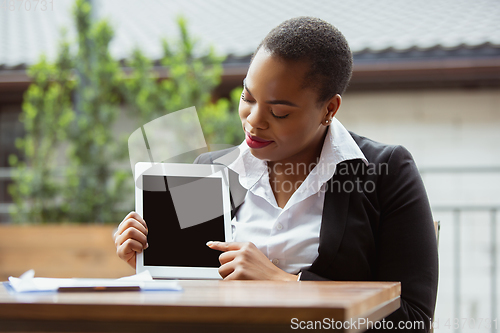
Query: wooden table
[[225, 306]]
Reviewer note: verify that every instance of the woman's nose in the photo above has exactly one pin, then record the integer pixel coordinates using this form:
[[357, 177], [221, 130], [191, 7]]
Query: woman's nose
[[258, 117]]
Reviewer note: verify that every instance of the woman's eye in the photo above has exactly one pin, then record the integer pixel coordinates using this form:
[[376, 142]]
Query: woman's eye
[[280, 117], [243, 98], [272, 113]]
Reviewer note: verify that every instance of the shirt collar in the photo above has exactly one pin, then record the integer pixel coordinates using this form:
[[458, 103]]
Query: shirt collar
[[339, 146]]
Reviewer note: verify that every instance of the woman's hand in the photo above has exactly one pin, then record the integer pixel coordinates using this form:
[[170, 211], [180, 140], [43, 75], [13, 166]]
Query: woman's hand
[[131, 238], [244, 261]]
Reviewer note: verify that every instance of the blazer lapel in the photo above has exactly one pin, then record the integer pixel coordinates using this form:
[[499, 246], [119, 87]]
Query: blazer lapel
[[333, 221]]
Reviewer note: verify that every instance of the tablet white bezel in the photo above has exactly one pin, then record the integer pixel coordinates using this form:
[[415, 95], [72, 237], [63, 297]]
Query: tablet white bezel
[[184, 170]]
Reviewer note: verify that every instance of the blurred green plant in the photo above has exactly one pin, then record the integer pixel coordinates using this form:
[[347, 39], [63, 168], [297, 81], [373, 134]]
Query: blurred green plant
[[47, 113], [191, 81], [73, 105]]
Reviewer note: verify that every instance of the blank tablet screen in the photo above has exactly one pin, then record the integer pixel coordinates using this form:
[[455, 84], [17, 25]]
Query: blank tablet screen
[[171, 245]]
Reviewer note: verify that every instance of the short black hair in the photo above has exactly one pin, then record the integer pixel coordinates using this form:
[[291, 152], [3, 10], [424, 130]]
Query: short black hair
[[319, 43]]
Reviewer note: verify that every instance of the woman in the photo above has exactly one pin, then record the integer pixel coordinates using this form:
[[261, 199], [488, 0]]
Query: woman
[[319, 202]]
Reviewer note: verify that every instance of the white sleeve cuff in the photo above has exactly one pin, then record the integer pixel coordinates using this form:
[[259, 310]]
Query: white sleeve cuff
[[298, 278]]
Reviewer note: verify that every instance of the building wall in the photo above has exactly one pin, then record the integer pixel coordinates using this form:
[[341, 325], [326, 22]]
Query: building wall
[[441, 128], [453, 135]]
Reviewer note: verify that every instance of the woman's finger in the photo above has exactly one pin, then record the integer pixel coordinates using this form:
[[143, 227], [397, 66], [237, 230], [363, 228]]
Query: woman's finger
[[129, 248], [133, 234], [137, 217], [227, 257], [130, 223], [225, 246], [226, 269]]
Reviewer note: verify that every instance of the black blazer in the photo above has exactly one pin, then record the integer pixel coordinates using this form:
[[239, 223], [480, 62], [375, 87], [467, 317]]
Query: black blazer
[[376, 226]]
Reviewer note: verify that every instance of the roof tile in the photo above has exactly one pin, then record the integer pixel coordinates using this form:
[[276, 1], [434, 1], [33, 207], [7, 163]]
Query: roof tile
[[236, 28]]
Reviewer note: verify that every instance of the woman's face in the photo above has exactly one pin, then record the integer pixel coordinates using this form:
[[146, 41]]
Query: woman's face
[[282, 120]]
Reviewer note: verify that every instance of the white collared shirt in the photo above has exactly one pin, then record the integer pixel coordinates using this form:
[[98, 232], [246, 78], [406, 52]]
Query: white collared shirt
[[288, 236]]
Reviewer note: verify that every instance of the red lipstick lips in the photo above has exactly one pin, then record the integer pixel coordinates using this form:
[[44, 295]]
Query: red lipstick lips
[[256, 142]]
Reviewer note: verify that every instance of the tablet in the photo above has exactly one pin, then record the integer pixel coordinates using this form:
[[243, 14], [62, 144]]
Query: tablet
[[184, 206]]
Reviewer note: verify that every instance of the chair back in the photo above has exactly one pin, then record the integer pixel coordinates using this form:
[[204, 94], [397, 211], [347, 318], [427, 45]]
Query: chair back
[[437, 227]]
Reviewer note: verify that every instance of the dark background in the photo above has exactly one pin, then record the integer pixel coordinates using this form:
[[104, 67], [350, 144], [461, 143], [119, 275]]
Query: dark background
[[169, 245]]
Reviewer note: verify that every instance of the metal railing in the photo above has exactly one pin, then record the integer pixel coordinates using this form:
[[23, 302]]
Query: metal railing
[[457, 212]]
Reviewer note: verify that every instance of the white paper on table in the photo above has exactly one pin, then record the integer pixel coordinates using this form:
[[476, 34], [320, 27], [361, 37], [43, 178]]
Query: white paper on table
[[28, 283]]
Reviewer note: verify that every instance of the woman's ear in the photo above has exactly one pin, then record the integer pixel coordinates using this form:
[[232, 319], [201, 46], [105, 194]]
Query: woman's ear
[[332, 106]]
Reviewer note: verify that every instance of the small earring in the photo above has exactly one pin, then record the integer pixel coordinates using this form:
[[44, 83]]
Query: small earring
[[327, 121]]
